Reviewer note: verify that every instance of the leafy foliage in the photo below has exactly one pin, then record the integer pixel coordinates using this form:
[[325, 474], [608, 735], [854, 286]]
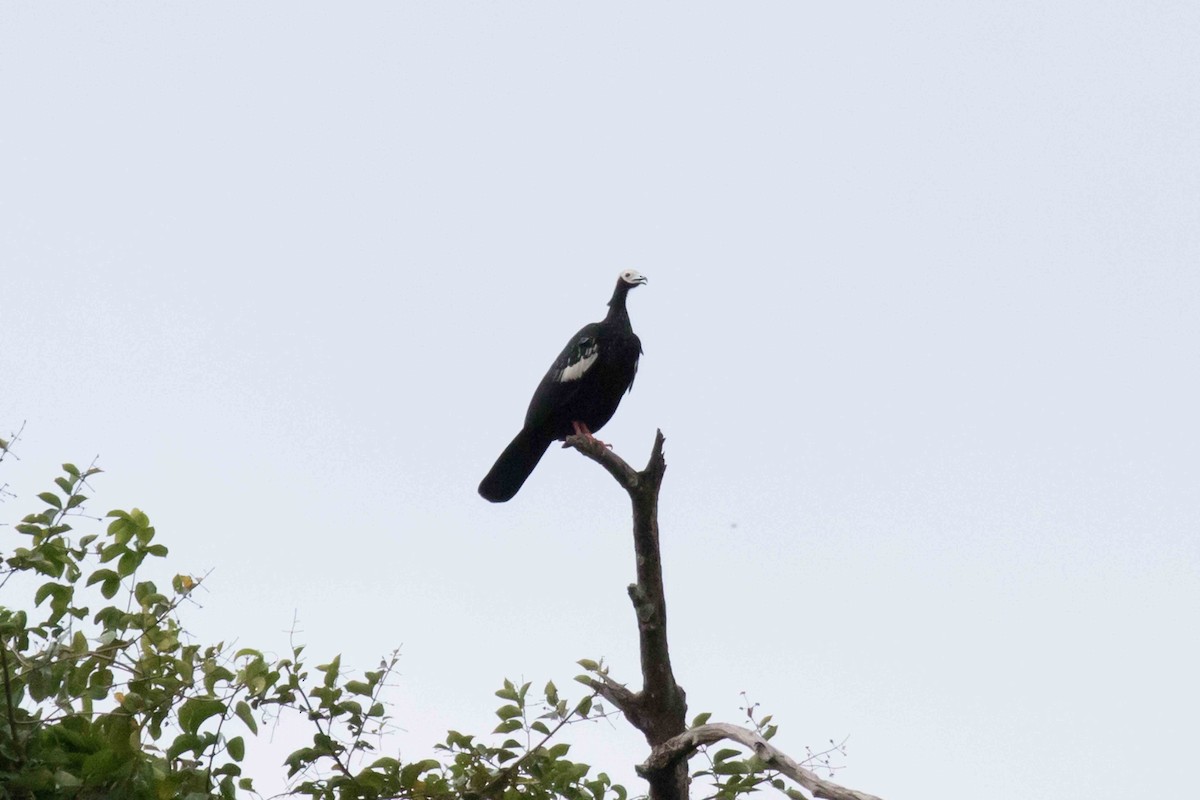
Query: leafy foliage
[[120, 702], [732, 773], [103, 695]]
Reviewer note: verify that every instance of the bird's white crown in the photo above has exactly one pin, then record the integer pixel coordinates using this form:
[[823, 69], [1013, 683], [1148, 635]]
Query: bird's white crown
[[633, 277]]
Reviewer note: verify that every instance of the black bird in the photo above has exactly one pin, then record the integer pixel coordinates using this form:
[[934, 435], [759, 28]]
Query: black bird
[[578, 395]]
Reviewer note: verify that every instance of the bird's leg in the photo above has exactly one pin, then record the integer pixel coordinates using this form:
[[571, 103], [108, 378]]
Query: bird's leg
[[582, 430]]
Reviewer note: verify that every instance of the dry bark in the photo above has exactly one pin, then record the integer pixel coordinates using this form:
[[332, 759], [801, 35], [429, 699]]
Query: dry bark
[[659, 710]]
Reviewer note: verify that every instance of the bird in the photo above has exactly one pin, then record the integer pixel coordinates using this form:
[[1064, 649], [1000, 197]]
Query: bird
[[578, 395]]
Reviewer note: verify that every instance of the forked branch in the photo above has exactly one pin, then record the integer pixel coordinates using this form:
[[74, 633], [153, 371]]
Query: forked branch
[[659, 710], [681, 747]]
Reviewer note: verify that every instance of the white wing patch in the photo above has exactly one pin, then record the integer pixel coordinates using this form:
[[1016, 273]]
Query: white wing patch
[[585, 355]]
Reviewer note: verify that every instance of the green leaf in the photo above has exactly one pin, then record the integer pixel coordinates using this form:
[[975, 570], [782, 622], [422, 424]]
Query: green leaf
[[731, 768], [410, 773], [128, 564], [183, 743], [726, 753], [246, 716], [508, 726], [45, 590], [559, 750], [331, 671], [121, 530], [100, 575], [142, 590], [100, 765], [237, 748], [588, 664], [585, 705], [71, 470], [459, 740], [50, 499], [196, 710], [701, 719], [358, 687], [76, 500], [508, 712]]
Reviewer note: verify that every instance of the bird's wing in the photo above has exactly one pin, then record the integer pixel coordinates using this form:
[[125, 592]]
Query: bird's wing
[[575, 360], [629, 388], [562, 380]]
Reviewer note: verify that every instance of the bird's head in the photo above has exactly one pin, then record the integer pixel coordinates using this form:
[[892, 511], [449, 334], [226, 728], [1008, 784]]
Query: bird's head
[[632, 277]]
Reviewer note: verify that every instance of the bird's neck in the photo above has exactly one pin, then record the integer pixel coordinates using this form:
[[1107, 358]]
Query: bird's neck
[[616, 306]]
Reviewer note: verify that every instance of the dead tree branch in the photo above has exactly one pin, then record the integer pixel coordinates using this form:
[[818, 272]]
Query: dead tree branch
[[680, 748], [659, 710]]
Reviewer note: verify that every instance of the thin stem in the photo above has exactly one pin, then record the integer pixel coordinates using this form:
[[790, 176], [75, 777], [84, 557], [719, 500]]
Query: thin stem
[[504, 777], [8, 704]]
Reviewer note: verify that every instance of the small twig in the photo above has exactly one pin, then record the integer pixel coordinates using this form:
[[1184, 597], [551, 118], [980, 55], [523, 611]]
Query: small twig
[[617, 694], [6, 444], [388, 667], [8, 701], [316, 720], [212, 756], [498, 783]]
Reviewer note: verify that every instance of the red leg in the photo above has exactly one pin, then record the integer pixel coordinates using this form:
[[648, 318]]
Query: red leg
[[582, 430]]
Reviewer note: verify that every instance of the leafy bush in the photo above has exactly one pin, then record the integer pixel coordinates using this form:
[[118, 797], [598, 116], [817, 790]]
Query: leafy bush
[[118, 702]]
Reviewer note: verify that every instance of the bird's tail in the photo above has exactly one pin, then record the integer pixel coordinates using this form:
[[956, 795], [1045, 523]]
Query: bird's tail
[[513, 466]]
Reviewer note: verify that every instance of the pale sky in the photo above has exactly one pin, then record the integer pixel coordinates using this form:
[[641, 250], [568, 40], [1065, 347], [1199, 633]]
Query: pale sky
[[922, 331]]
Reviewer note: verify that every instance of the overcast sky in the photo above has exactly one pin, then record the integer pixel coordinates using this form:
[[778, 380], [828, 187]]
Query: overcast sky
[[922, 331]]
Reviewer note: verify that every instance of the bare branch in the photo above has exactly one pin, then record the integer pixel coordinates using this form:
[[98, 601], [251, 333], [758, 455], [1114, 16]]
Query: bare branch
[[681, 747], [615, 693], [597, 451], [659, 709]]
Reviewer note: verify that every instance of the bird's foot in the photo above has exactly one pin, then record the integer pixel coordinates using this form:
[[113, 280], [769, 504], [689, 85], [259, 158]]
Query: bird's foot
[[582, 430]]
